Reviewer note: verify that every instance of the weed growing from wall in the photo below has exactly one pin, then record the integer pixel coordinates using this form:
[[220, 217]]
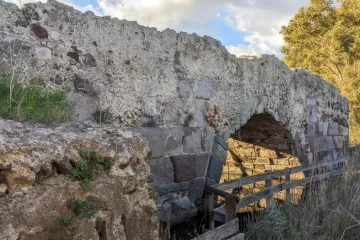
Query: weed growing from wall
[[31, 103], [81, 208], [89, 167], [65, 220]]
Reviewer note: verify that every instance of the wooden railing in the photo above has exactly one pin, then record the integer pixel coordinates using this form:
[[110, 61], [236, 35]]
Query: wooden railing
[[227, 212]]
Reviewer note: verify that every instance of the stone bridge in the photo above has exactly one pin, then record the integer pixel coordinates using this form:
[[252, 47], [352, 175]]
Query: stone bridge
[[184, 93]]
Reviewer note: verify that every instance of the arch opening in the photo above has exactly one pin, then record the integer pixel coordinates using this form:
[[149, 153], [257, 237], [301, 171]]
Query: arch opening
[[261, 145]]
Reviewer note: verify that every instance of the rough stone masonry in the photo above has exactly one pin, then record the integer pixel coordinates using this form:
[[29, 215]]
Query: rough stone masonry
[[184, 93]]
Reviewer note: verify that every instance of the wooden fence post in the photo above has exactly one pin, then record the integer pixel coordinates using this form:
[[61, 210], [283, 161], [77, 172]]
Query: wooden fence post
[[209, 207], [230, 208], [269, 199], [288, 194]]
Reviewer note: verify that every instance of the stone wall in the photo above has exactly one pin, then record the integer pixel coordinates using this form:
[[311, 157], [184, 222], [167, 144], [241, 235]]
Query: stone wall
[[177, 89], [261, 145], [36, 164]]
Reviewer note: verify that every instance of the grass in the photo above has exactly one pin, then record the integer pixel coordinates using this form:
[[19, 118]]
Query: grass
[[89, 167], [330, 210], [31, 103]]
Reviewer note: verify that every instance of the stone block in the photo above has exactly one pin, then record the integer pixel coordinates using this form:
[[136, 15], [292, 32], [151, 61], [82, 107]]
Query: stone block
[[322, 129], [326, 142], [219, 152], [184, 167], [172, 139], [164, 206], [199, 115], [246, 153], [325, 155], [155, 138], [338, 153], [207, 88], [311, 101], [311, 129], [210, 182], [181, 210], [226, 135], [339, 141], [222, 142], [343, 131], [185, 88], [201, 162], [214, 169], [162, 171], [197, 187], [173, 188], [312, 113], [207, 137], [333, 129], [192, 140], [267, 153], [314, 143], [172, 111]]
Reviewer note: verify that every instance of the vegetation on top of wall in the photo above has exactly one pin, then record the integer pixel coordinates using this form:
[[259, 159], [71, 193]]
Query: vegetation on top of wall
[[31, 103]]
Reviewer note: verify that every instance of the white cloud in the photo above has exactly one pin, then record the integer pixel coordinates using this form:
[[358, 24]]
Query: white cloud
[[259, 21]]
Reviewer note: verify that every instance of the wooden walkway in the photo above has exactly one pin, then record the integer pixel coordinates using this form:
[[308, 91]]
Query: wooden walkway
[[227, 213]]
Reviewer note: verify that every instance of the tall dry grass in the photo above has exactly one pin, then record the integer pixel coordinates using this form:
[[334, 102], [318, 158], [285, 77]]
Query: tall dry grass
[[329, 210]]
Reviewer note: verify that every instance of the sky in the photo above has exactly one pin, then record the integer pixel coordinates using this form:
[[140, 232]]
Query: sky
[[244, 27]]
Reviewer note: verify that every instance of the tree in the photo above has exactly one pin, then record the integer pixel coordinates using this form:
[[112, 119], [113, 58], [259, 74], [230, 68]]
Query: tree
[[326, 40]]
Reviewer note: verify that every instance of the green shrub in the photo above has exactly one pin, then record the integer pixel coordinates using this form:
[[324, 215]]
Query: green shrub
[[65, 220], [81, 208], [90, 166], [32, 103]]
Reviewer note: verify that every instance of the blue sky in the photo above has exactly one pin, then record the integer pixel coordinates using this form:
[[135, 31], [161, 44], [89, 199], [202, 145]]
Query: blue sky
[[244, 27]]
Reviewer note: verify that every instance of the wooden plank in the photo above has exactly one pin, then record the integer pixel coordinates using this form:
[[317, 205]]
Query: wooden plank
[[221, 232], [209, 207], [274, 174], [230, 208], [240, 236], [220, 192], [268, 184], [288, 193], [219, 213]]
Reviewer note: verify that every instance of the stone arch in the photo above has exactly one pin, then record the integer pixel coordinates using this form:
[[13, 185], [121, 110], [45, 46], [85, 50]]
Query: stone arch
[[262, 144]]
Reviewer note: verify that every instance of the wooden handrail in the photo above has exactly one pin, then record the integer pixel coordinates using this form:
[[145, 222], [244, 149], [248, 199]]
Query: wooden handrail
[[274, 174], [221, 193], [219, 213]]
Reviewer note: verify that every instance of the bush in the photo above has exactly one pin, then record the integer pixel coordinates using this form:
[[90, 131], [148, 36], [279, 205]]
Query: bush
[[330, 210], [91, 165], [81, 208], [32, 103], [65, 220]]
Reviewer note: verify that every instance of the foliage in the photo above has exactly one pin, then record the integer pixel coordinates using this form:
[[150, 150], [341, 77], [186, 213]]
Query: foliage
[[91, 165], [330, 210], [31, 103], [326, 40], [81, 208], [65, 220]]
